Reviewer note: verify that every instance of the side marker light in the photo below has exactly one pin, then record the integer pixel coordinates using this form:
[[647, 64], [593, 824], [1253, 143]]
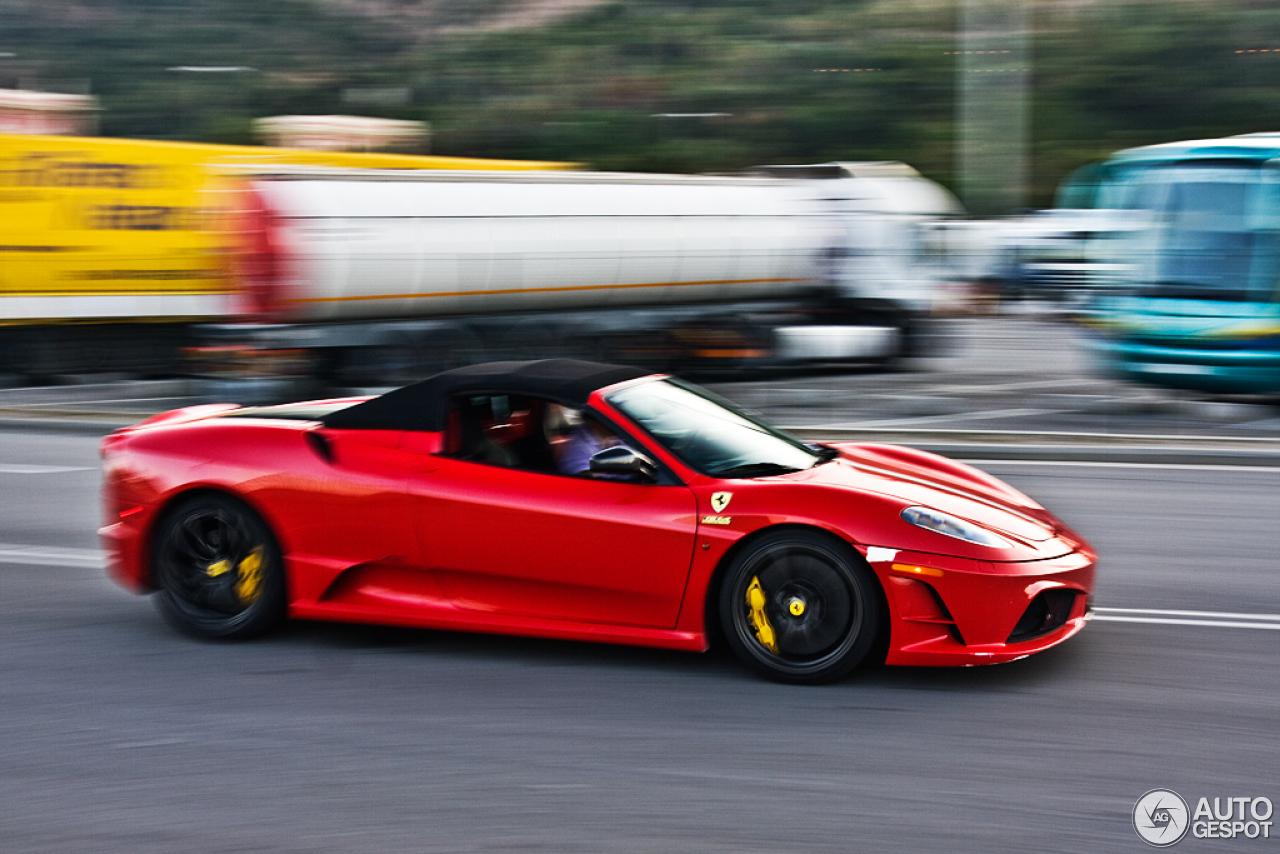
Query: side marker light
[[912, 569]]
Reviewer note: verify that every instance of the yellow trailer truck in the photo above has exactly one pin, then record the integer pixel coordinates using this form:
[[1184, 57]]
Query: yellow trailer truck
[[110, 248]]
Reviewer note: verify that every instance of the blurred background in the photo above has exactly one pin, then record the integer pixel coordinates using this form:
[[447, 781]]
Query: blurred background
[[672, 86], [1041, 236], [668, 86], [970, 142]]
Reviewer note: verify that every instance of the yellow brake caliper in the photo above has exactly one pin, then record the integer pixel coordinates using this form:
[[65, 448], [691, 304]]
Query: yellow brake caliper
[[760, 620], [249, 577]]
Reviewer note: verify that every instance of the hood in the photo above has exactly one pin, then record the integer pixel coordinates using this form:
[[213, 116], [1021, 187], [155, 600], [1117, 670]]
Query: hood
[[914, 477]]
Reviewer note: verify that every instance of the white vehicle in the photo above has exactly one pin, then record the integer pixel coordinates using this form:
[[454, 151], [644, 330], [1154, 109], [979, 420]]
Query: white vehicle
[[1055, 254], [375, 274]]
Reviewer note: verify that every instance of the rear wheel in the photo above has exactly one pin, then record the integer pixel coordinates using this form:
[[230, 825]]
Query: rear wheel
[[800, 607], [218, 569]]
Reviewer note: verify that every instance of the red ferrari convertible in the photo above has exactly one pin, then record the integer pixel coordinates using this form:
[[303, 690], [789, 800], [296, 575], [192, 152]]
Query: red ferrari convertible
[[569, 499]]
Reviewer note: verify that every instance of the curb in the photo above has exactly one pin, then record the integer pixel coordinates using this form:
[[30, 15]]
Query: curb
[[96, 424], [92, 408], [1101, 448]]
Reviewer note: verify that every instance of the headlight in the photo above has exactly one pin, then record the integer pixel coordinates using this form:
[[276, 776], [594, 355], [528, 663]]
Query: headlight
[[951, 526]]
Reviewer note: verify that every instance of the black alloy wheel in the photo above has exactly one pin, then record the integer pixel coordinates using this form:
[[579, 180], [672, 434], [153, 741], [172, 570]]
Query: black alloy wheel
[[800, 607], [218, 569]]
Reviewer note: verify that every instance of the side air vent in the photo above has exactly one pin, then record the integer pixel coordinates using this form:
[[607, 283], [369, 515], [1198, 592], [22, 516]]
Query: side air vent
[[320, 445], [1047, 612]]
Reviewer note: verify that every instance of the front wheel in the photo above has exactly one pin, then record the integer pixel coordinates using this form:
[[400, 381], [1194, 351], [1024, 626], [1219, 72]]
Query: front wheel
[[800, 607], [218, 569]]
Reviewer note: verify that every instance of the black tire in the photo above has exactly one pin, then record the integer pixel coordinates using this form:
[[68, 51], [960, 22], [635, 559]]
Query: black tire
[[819, 607], [217, 569]]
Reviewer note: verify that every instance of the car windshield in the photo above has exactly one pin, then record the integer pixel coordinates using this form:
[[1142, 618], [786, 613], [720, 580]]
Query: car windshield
[[711, 435]]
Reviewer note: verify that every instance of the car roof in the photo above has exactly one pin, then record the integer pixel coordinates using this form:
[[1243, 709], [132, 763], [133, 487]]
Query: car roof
[[424, 405], [1246, 148]]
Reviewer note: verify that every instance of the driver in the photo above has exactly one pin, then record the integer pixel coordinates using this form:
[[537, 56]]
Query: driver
[[574, 439]]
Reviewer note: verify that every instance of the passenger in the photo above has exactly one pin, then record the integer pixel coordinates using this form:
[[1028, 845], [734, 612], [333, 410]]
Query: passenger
[[501, 434]]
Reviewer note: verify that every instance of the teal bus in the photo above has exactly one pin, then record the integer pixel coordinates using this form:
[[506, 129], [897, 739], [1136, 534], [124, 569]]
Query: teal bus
[[1191, 295]]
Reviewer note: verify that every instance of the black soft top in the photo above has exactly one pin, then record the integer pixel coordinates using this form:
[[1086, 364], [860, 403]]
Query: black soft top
[[424, 405]]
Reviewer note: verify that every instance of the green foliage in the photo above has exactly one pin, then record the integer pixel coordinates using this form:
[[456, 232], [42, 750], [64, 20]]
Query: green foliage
[[679, 85]]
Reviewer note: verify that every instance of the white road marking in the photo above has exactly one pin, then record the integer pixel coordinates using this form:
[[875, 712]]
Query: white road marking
[[155, 742], [1213, 614], [20, 468], [1031, 437], [1020, 385], [927, 391], [1122, 465], [1216, 619], [913, 420], [51, 556]]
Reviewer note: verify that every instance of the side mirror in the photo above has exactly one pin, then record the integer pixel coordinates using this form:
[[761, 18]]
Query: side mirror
[[623, 461]]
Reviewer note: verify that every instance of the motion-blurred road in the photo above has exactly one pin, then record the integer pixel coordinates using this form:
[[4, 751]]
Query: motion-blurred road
[[118, 735]]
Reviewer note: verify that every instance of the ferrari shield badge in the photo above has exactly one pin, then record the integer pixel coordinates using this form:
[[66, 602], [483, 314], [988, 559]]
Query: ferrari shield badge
[[720, 500]]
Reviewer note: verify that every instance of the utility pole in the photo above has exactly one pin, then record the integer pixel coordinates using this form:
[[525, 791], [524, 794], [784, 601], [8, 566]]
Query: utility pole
[[993, 71]]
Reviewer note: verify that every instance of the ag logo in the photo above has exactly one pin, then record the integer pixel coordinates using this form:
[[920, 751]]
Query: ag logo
[[1160, 817], [720, 500]]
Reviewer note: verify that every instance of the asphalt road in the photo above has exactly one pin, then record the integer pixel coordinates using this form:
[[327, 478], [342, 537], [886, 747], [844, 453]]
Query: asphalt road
[[117, 735]]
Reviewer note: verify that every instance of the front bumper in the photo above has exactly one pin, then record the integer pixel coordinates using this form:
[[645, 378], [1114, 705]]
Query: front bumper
[[126, 562], [953, 611]]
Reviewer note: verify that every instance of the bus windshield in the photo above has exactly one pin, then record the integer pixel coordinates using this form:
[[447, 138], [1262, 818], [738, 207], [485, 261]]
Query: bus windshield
[[1212, 230]]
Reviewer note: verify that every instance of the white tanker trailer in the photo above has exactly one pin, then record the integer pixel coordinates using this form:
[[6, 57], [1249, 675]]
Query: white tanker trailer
[[373, 277]]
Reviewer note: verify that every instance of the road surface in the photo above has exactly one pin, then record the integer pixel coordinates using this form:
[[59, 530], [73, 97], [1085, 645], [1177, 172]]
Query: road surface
[[117, 735]]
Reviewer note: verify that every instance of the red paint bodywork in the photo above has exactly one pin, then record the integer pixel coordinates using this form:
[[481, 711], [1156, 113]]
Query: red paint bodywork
[[378, 526]]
